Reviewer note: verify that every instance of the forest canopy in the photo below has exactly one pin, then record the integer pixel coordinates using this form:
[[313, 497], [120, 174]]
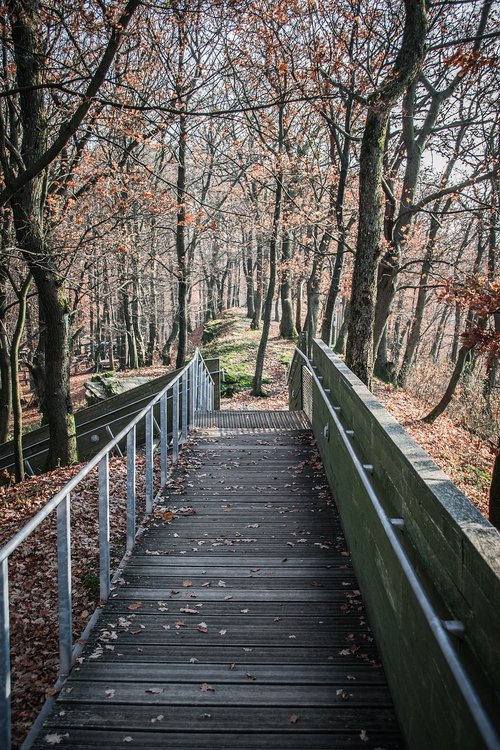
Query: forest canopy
[[332, 163]]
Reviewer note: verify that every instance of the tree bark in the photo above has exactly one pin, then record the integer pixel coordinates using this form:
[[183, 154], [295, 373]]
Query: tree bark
[[259, 288], [287, 325], [273, 245], [368, 247], [5, 379], [17, 411]]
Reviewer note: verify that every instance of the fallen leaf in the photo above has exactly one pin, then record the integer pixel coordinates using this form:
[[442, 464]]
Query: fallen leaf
[[186, 584], [293, 719], [206, 688], [54, 739], [134, 605], [202, 627], [154, 690]]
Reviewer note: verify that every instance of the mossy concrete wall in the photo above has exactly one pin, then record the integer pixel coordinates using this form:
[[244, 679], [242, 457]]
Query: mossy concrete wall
[[454, 549]]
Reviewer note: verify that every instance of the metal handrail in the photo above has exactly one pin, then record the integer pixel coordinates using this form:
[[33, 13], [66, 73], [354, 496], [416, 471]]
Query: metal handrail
[[192, 390], [440, 628], [31, 453]]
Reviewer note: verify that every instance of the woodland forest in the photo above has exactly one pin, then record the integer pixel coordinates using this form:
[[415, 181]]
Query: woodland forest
[[331, 165]]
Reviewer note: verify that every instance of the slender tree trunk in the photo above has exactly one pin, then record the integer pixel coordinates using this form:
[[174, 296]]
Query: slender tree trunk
[[268, 307], [463, 358], [259, 288], [6, 389], [180, 235], [17, 411], [368, 247], [287, 326], [248, 268], [418, 314], [298, 305], [438, 338], [27, 208], [363, 295], [341, 343]]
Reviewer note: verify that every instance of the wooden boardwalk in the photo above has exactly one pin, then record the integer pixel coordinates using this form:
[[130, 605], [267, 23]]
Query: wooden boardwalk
[[239, 623]]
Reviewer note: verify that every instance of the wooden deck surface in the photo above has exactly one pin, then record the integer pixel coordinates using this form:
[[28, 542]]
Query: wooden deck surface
[[239, 623]]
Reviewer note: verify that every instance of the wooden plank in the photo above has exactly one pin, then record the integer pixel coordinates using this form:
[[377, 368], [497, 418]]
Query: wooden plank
[[233, 619]]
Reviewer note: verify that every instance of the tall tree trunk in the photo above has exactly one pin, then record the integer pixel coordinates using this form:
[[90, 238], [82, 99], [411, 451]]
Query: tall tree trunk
[[17, 411], [368, 247], [298, 305], [248, 268], [5, 380], [27, 209], [287, 326], [180, 232], [418, 314], [341, 343], [153, 315], [259, 287], [273, 246], [313, 299]]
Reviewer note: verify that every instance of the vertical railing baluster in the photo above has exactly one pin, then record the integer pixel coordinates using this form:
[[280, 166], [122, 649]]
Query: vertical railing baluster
[[193, 391], [164, 439], [64, 586], [104, 567], [5, 701], [201, 380], [149, 461], [184, 407], [175, 422], [131, 488]]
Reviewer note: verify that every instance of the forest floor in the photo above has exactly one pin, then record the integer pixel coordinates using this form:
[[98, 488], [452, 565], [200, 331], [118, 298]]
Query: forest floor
[[464, 457]]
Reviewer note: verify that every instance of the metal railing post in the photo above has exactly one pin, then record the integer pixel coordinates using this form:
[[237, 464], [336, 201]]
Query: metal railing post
[[131, 491], [149, 461], [64, 586], [164, 438], [175, 422], [5, 702], [184, 407], [104, 565], [193, 391]]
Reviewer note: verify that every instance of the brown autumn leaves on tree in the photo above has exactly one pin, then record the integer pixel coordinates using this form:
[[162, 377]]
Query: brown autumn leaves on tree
[[332, 163]]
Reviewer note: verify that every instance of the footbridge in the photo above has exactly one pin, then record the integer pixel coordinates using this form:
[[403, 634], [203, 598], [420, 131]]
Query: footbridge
[[303, 579]]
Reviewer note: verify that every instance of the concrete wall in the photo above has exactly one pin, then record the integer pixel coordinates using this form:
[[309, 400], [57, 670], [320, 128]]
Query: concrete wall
[[453, 547]]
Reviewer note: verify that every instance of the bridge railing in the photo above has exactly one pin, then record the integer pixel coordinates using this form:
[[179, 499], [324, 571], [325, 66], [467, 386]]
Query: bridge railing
[[192, 390], [428, 562]]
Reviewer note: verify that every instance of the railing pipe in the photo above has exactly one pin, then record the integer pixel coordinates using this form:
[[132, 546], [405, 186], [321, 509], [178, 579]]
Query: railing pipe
[[104, 557], [175, 423], [5, 707], [164, 438], [149, 461], [131, 488], [184, 407], [64, 586]]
